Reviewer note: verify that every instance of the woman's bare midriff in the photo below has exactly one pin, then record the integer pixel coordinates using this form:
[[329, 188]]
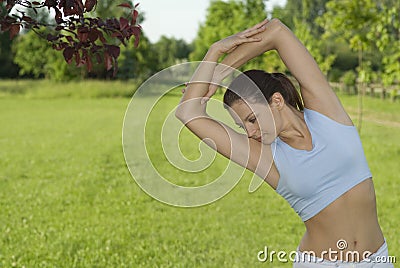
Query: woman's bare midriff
[[352, 220]]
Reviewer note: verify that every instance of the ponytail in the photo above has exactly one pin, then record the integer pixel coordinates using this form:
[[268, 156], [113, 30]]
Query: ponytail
[[288, 89]]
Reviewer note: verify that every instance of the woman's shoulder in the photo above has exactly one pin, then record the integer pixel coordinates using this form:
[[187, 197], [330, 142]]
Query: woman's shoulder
[[326, 102], [318, 118]]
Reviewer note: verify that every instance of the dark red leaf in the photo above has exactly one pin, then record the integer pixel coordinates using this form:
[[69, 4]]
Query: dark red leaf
[[136, 32], [71, 7], [78, 45], [136, 5], [79, 4], [5, 26], [124, 23], [108, 61], [10, 4], [50, 3], [77, 58], [101, 37], [84, 54], [116, 34], [127, 5], [89, 4], [137, 40], [68, 7], [68, 54], [61, 4], [123, 40], [61, 46], [36, 3], [100, 22], [51, 37], [83, 29], [89, 64], [58, 16], [70, 39], [135, 14], [93, 35], [83, 60], [14, 30], [113, 51], [27, 19], [95, 48], [83, 33]]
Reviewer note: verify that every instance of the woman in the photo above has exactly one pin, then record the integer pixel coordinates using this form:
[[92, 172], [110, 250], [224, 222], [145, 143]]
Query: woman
[[306, 148]]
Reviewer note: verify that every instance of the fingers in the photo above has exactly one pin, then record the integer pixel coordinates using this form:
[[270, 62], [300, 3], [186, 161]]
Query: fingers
[[204, 100], [253, 39], [221, 71], [245, 39], [231, 50], [254, 31], [263, 23], [211, 91], [257, 27]]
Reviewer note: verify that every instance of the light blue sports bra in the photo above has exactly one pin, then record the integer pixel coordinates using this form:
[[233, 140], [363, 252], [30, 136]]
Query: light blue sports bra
[[311, 180]]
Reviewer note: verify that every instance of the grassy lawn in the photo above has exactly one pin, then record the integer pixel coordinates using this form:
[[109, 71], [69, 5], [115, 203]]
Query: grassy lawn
[[67, 198]]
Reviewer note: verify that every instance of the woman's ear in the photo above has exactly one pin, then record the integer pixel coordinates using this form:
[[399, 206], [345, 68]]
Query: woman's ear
[[277, 101]]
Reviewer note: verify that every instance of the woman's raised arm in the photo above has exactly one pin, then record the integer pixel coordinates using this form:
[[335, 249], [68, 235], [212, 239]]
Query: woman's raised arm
[[191, 111], [315, 89]]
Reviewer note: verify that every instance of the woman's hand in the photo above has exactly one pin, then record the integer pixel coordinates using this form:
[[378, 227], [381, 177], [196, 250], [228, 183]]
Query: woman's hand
[[226, 46], [230, 43]]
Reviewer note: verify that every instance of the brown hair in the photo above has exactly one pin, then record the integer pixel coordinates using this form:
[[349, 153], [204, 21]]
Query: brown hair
[[259, 86]]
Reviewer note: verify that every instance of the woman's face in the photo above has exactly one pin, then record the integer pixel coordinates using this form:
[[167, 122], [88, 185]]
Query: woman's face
[[256, 119]]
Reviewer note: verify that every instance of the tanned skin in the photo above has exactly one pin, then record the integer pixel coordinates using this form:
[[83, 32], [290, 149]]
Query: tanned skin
[[353, 216]]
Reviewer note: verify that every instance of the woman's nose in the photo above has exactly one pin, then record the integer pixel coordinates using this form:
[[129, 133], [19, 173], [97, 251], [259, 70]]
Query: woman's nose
[[251, 131]]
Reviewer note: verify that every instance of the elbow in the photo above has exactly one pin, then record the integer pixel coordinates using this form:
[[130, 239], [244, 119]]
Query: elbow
[[180, 114], [276, 24], [183, 114], [270, 36], [277, 28], [186, 111], [277, 31]]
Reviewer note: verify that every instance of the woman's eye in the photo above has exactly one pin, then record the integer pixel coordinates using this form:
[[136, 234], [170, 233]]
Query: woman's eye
[[252, 120]]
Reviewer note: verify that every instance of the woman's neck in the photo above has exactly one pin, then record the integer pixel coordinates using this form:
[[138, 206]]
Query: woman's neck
[[294, 129]]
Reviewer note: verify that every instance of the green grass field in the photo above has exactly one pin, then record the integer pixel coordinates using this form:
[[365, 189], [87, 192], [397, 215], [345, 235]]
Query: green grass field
[[67, 198]]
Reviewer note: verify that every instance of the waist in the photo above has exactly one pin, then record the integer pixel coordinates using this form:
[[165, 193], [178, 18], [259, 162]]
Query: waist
[[351, 221]]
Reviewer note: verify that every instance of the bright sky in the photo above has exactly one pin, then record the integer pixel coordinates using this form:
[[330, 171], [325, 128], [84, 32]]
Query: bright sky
[[177, 18]]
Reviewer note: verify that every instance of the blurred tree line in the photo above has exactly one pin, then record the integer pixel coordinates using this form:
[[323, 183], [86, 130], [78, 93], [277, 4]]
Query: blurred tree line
[[350, 40]]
